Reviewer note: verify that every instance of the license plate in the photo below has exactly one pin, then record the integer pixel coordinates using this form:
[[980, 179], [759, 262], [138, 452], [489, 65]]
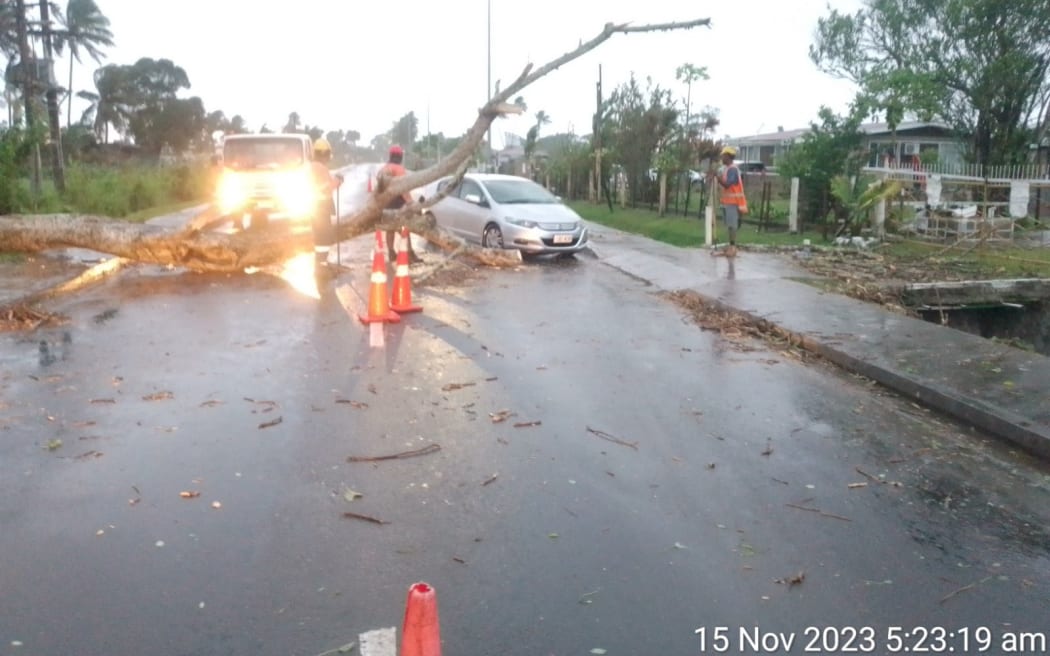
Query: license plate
[[562, 239]]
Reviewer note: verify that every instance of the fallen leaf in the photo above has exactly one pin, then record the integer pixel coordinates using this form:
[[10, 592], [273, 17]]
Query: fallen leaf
[[793, 580], [53, 445], [189, 494], [102, 401], [679, 545], [351, 495], [552, 535], [854, 486], [597, 650], [501, 416], [455, 386], [353, 404], [527, 424], [159, 396], [210, 403]]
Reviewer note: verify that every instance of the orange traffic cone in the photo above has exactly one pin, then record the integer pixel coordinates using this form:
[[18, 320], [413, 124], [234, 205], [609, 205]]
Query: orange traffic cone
[[421, 633], [378, 306], [402, 299]]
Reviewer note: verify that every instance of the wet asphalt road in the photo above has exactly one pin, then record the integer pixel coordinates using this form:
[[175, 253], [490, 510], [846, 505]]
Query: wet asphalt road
[[739, 477]]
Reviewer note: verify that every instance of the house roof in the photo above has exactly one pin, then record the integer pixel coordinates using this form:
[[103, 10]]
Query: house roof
[[871, 129]]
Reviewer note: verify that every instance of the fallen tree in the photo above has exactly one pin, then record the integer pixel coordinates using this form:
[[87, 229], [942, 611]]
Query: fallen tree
[[197, 248]]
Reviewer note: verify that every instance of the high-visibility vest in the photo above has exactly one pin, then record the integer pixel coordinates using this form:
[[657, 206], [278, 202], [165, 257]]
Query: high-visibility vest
[[734, 194], [390, 170]]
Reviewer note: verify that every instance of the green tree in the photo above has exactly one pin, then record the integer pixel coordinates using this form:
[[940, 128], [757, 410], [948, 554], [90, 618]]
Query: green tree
[[85, 30], [637, 122], [294, 124], [979, 65], [180, 123], [405, 131], [531, 137], [833, 148]]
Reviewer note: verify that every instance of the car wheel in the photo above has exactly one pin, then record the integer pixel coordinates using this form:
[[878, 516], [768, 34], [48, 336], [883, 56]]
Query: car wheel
[[492, 237]]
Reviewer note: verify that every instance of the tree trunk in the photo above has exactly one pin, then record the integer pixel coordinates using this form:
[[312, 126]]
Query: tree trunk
[[58, 164]]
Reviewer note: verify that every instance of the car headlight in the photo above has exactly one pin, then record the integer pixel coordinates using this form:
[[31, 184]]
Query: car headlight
[[524, 223], [298, 195], [231, 193]]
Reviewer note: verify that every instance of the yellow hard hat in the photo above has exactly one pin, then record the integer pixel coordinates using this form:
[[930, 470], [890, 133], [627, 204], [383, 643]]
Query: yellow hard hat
[[322, 146], [729, 150]]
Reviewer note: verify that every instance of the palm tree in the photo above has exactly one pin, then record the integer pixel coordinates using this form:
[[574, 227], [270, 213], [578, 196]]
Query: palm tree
[[86, 30], [111, 104]]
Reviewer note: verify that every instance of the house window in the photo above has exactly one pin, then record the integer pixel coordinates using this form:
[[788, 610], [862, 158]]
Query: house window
[[765, 154]]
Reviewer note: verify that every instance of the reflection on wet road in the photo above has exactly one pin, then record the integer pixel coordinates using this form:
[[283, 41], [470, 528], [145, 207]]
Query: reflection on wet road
[[174, 478]]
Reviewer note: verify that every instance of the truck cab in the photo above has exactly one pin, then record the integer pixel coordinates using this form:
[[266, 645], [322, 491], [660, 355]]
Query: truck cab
[[266, 176]]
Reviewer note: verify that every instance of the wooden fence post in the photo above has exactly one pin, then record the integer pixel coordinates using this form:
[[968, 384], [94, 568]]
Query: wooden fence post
[[793, 208]]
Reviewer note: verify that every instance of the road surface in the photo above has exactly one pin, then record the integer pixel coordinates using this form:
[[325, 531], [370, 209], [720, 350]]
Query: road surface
[[610, 477]]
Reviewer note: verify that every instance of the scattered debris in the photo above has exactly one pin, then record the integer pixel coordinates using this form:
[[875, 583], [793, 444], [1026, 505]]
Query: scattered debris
[[552, 536], [210, 403], [612, 438], [963, 589], [88, 454], [679, 545], [586, 597], [793, 580], [345, 649], [364, 518], [710, 465], [24, 317], [818, 511], [490, 479], [102, 401], [271, 423], [455, 386], [189, 494], [216, 505], [353, 404], [163, 395], [428, 449], [777, 480], [53, 445], [491, 379], [768, 451], [854, 486], [352, 495], [527, 424], [459, 560], [501, 416]]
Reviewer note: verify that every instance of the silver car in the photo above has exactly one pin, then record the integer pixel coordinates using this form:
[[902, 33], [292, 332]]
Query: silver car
[[505, 211]]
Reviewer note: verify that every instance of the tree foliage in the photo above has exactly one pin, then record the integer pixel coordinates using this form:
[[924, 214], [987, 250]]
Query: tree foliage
[[979, 65], [638, 123], [830, 149]]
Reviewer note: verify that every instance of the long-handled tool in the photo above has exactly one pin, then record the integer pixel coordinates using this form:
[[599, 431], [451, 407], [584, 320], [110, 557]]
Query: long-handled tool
[[338, 218]]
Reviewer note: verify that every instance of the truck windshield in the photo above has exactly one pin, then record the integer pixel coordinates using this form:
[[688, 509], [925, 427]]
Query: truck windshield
[[241, 154]]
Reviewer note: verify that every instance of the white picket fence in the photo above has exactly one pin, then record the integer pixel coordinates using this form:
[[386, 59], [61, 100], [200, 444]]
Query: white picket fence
[[971, 172]]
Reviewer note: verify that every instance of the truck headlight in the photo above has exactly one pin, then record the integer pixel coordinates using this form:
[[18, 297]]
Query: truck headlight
[[298, 195], [231, 194]]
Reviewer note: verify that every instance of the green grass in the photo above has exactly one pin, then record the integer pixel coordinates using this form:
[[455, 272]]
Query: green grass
[[143, 215], [677, 230], [988, 260]]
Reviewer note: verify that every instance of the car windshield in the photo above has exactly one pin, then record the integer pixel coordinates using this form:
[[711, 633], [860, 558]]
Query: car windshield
[[506, 192], [243, 154]]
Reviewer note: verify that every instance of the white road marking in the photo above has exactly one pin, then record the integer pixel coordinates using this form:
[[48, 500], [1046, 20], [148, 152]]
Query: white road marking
[[379, 642]]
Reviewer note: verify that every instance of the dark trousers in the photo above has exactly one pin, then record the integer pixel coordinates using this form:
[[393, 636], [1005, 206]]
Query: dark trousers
[[323, 230]]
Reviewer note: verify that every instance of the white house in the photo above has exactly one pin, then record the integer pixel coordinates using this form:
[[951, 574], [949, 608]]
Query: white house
[[901, 147]]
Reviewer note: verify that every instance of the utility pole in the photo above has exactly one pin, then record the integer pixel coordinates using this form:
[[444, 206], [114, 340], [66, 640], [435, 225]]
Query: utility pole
[[26, 59], [488, 78], [57, 163], [598, 139]]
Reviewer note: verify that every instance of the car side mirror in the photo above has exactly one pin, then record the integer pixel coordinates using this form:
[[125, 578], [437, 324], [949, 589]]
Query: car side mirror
[[473, 198]]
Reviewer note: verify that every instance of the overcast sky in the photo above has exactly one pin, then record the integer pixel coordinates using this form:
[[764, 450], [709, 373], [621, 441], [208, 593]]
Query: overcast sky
[[360, 65]]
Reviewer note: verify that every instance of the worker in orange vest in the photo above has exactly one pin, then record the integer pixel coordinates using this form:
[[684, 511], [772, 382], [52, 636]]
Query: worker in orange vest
[[733, 200], [393, 169], [322, 224]]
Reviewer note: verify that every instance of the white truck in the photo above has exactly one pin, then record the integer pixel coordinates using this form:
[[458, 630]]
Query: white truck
[[266, 176]]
